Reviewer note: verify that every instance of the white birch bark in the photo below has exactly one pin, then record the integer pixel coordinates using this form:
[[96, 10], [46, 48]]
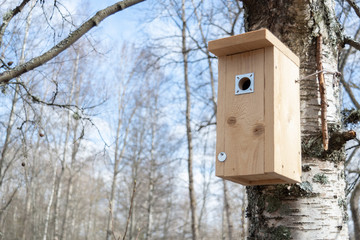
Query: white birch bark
[[314, 209], [48, 208], [121, 138], [192, 198], [76, 84], [58, 186], [354, 205], [151, 173]]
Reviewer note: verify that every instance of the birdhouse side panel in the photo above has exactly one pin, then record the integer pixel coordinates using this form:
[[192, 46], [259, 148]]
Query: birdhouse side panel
[[286, 117], [220, 115], [269, 109]]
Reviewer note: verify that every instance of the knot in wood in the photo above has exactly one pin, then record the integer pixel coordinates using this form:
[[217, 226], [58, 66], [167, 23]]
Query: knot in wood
[[231, 121], [259, 129]]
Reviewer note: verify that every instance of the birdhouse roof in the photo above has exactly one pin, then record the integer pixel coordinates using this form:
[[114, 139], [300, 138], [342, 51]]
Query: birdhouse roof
[[250, 41]]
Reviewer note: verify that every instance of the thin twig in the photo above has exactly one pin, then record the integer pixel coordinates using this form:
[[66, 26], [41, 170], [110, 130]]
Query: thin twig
[[352, 42], [38, 100], [355, 7], [9, 15], [9, 201], [350, 92], [130, 210], [6, 76], [322, 89], [78, 111], [352, 185], [336, 74], [207, 124]]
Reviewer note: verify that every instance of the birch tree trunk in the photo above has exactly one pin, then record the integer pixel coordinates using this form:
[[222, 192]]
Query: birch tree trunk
[[316, 208], [58, 183], [76, 84], [114, 177], [48, 208], [127, 70], [354, 204], [153, 115], [185, 53], [227, 211], [29, 187]]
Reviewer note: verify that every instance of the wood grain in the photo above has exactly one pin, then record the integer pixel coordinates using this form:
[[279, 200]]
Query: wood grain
[[250, 41], [287, 151], [244, 116], [220, 116], [259, 131]]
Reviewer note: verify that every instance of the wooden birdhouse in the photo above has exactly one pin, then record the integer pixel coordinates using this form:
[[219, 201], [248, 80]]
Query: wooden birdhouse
[[258, 116]]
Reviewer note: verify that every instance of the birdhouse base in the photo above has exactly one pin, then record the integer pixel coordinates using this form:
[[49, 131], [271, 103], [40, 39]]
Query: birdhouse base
[[260, 179]]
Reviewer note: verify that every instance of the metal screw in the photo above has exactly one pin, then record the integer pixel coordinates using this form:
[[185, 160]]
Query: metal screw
[[222, 157]]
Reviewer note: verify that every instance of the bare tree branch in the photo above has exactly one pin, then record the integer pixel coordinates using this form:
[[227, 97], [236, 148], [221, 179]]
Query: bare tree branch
[[355, 7], [35, 99], [350, 92], [8, 16], [343, 62], [322, 89], [9, 201], [352, 42], [6, 76]]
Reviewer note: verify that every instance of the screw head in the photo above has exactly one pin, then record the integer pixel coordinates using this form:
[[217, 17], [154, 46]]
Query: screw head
[[221, 157]]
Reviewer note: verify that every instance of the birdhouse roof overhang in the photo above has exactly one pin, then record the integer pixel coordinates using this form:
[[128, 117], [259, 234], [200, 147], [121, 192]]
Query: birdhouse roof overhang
[[250, 41]]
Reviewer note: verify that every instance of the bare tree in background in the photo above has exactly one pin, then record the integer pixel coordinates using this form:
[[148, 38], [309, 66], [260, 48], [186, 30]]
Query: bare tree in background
[[192, 197], [127, 76]]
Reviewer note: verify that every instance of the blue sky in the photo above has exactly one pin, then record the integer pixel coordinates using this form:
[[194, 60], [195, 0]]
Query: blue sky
[[124, 25]]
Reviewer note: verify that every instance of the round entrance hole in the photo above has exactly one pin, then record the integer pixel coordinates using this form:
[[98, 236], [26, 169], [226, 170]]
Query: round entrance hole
[[244, 83]]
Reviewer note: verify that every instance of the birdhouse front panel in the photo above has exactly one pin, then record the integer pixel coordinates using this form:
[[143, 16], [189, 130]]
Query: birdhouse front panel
[[258, 117], [240, 129]]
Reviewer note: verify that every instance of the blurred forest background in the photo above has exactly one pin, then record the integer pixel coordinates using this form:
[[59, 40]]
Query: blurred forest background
[[115, 137]]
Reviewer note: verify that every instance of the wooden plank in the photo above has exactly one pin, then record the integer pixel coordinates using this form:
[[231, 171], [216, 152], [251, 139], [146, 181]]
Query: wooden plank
[[242, 181], [247, 181], [267, 182], [287, 117], [220, 116], [269, 109], [244, 116], [239, 43], [250, 41], [282, 47]]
